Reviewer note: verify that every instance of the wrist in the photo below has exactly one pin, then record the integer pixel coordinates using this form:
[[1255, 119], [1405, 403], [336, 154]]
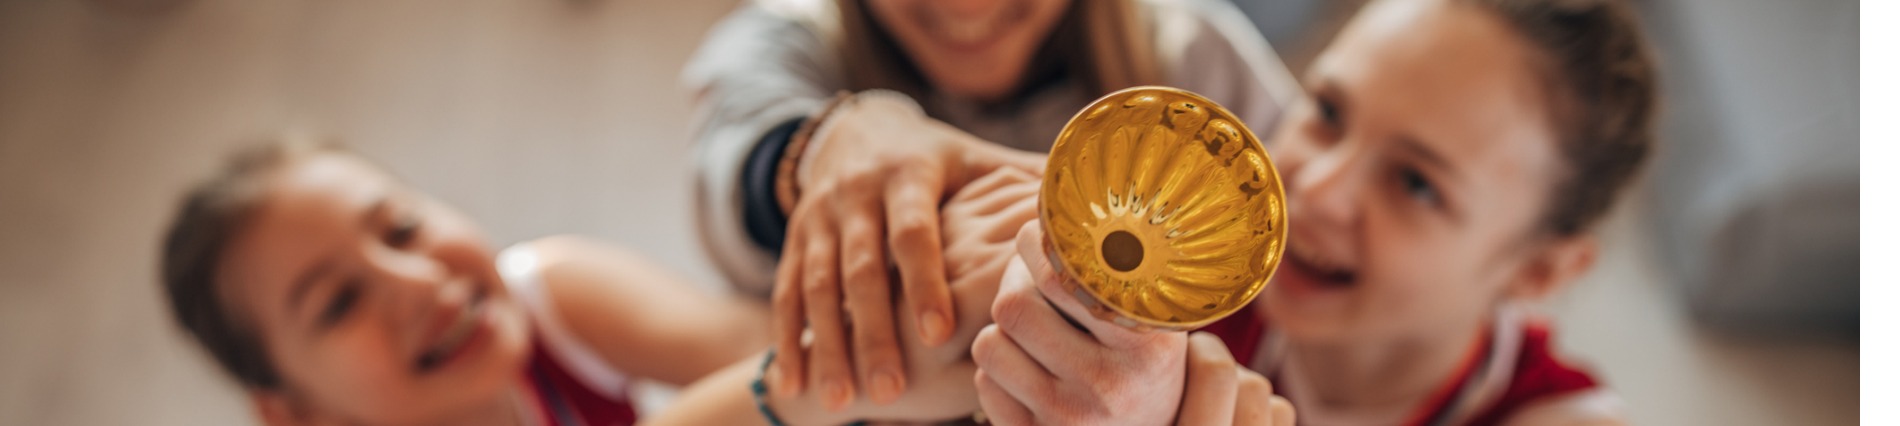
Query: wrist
[[787, 183], [809, 144]]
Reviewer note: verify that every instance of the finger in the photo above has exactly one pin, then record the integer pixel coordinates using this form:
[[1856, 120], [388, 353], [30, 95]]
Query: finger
[[1002, 178], [830, 363], [1108, 334], [1030, 247], [788, 323], [988, 157], [998, 199], [867, 295], [917, 246], [1211, 383], [1049, 280], [998, 405], [1032, 324], [788, 314], [1282, 411], [1015, 370], [1253, 402], [1023, 210]]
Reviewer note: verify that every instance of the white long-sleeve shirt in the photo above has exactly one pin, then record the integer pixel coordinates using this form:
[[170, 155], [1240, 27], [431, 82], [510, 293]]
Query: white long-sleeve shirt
[[765, 65]]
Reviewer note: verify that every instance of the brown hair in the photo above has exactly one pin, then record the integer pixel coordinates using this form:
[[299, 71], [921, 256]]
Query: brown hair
[[1106, 44], [1604, 84], [212, 213]]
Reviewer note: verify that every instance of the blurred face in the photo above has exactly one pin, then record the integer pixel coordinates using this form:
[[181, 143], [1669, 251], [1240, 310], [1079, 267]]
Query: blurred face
[[970, 48], [1416, 166], [375, 303]]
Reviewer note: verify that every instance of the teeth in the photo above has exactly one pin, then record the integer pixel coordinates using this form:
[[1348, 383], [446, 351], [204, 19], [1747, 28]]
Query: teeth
[[969, 31], [458, 333], [1318, 262]]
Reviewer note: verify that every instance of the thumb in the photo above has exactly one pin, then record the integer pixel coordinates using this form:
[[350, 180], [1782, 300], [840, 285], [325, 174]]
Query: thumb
[[1029, 245]]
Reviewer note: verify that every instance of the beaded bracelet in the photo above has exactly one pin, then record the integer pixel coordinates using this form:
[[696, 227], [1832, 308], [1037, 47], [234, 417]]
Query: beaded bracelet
[[786, 186], [759, 393]]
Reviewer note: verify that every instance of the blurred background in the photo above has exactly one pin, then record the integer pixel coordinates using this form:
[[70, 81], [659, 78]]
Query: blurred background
[[1728, 293]]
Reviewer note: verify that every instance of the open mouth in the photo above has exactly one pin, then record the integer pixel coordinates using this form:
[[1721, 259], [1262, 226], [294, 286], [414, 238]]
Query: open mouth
[[456, 338], [1325, 272]]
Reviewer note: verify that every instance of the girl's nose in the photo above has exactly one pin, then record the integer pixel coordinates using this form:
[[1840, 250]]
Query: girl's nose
[[1322, 192], [416, 282], [411, 270]]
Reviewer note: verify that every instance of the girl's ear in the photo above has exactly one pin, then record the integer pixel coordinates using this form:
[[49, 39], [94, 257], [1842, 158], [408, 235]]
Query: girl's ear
[[281, 409], [1554, 266]]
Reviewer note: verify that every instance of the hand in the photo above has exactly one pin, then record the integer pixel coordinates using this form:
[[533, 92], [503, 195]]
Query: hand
[[979, 228], [1221, 392], [871, 185], [1035, 368], [979, 232]]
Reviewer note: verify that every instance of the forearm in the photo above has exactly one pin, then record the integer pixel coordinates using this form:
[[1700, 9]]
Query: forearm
[[644, 319], [756, 70], [722, 398]]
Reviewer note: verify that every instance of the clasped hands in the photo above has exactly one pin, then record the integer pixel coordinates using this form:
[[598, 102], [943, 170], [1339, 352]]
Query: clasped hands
[[840, 330]]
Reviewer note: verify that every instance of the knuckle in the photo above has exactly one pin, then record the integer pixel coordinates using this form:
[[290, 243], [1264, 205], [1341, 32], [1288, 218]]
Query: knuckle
[[855, 177], [820, 287], [1009, 309], [1084, 409], [1063, 414], [910, 229], [1107, 384], [983, 349], [1211, 364], [1254, 387], [863, 267], [822, 189], [1159, 352]]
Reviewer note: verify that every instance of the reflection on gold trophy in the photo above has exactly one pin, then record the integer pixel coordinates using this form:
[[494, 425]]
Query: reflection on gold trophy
[[1163, 209]]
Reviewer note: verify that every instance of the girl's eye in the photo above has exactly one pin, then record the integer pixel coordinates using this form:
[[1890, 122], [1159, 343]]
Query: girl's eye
[[1328, 113], [1329, 128], [402, 231], [341, 303], [1418, 187]]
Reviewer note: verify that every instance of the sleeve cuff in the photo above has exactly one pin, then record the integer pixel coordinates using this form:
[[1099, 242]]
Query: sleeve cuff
[[764, 222]]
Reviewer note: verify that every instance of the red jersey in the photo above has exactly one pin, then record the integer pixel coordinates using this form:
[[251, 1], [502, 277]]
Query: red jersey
[[1518, 369]]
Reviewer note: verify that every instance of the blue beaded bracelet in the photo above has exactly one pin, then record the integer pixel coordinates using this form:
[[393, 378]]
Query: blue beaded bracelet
[[759, 395], [758, 391]]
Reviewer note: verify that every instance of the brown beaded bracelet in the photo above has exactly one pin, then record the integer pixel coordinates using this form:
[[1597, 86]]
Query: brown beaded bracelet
[[786, 186]]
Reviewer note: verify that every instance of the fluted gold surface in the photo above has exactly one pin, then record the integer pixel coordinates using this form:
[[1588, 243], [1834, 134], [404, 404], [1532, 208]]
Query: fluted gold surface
[[1163, 209]]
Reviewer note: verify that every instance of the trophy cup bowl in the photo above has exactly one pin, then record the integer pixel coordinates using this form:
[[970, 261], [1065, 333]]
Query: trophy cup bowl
[[1162, 209]]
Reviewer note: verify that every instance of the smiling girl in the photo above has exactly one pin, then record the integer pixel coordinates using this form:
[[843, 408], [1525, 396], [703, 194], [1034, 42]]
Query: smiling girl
[[1444, 171], [337, 295], [1444, 174]]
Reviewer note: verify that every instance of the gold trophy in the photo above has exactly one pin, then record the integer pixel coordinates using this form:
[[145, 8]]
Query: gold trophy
[[1162, 209]]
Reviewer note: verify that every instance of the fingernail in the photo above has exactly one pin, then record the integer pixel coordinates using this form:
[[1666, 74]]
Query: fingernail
[[837, 395], [933, 326], [782, 385], [885, 386]]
